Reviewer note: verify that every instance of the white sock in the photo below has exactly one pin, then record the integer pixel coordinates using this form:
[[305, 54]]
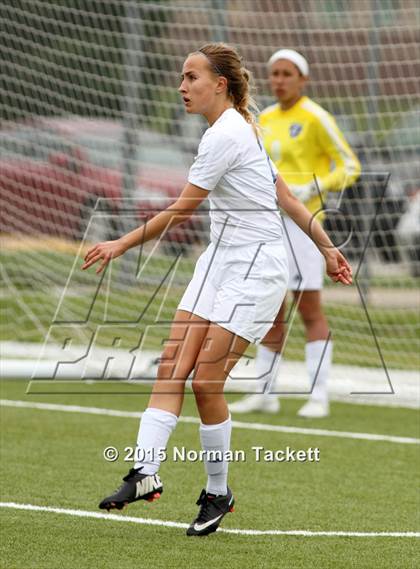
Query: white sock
[[216, 438], [267, 365], [319, 370], [155, 429]]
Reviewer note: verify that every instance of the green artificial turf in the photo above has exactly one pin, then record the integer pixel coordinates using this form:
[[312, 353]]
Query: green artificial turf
[[54, 458]]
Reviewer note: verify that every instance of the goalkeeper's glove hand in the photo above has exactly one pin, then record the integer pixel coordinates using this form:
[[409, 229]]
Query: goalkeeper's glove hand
[[305, 192]]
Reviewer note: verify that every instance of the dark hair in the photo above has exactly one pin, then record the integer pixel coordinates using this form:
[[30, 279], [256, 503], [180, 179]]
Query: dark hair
[[224, 60]]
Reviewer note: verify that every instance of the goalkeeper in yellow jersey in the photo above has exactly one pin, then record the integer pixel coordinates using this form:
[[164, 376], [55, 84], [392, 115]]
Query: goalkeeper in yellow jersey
[[305, 144]]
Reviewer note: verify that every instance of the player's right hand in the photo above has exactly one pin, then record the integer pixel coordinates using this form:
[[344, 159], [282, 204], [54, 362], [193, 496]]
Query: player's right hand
[[104, 252]]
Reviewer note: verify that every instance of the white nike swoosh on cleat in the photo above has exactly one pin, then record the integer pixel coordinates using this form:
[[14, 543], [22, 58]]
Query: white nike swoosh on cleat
[[200, 527]]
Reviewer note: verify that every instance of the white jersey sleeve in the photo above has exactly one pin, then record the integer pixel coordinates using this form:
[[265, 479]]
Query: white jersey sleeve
[[217, 153]]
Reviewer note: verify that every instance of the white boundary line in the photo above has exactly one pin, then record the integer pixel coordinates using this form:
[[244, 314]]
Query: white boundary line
[[195, 420], [152, 522]]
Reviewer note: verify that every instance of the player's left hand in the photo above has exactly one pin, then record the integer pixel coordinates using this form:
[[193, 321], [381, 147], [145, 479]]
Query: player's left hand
[[338, 268]]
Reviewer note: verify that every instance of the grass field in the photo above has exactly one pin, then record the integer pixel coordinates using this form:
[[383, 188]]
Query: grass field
[[54, 458]]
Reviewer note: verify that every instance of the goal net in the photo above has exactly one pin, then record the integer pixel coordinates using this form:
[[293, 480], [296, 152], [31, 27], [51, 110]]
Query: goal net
[[94, 139]]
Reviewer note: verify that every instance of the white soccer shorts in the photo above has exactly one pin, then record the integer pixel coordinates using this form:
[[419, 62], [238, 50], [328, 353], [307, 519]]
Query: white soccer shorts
[[240, 288]]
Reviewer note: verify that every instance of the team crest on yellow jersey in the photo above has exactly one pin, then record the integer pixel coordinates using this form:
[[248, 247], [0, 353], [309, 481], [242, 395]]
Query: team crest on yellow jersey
[[295, 129]]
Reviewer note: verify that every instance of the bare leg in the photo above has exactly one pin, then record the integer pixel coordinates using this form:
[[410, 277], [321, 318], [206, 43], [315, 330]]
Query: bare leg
[[274, 338], [220, 351], [266, 369], [177, 361], [310, 309]]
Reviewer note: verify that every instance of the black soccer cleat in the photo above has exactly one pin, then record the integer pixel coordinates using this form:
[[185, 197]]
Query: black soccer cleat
[[136, 486], [212, 511]]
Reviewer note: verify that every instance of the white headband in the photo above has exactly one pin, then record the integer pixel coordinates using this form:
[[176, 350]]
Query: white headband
[[293, 56]]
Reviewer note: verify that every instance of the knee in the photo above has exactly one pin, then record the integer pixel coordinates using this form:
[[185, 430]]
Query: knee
[[199, 387], [202, 388]]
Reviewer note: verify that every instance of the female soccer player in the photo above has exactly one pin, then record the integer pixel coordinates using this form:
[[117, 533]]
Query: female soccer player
[[238, 284], [305, 143]]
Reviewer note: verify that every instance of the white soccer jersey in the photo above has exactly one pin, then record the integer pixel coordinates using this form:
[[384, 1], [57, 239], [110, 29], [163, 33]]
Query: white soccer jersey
[[233, 166]]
